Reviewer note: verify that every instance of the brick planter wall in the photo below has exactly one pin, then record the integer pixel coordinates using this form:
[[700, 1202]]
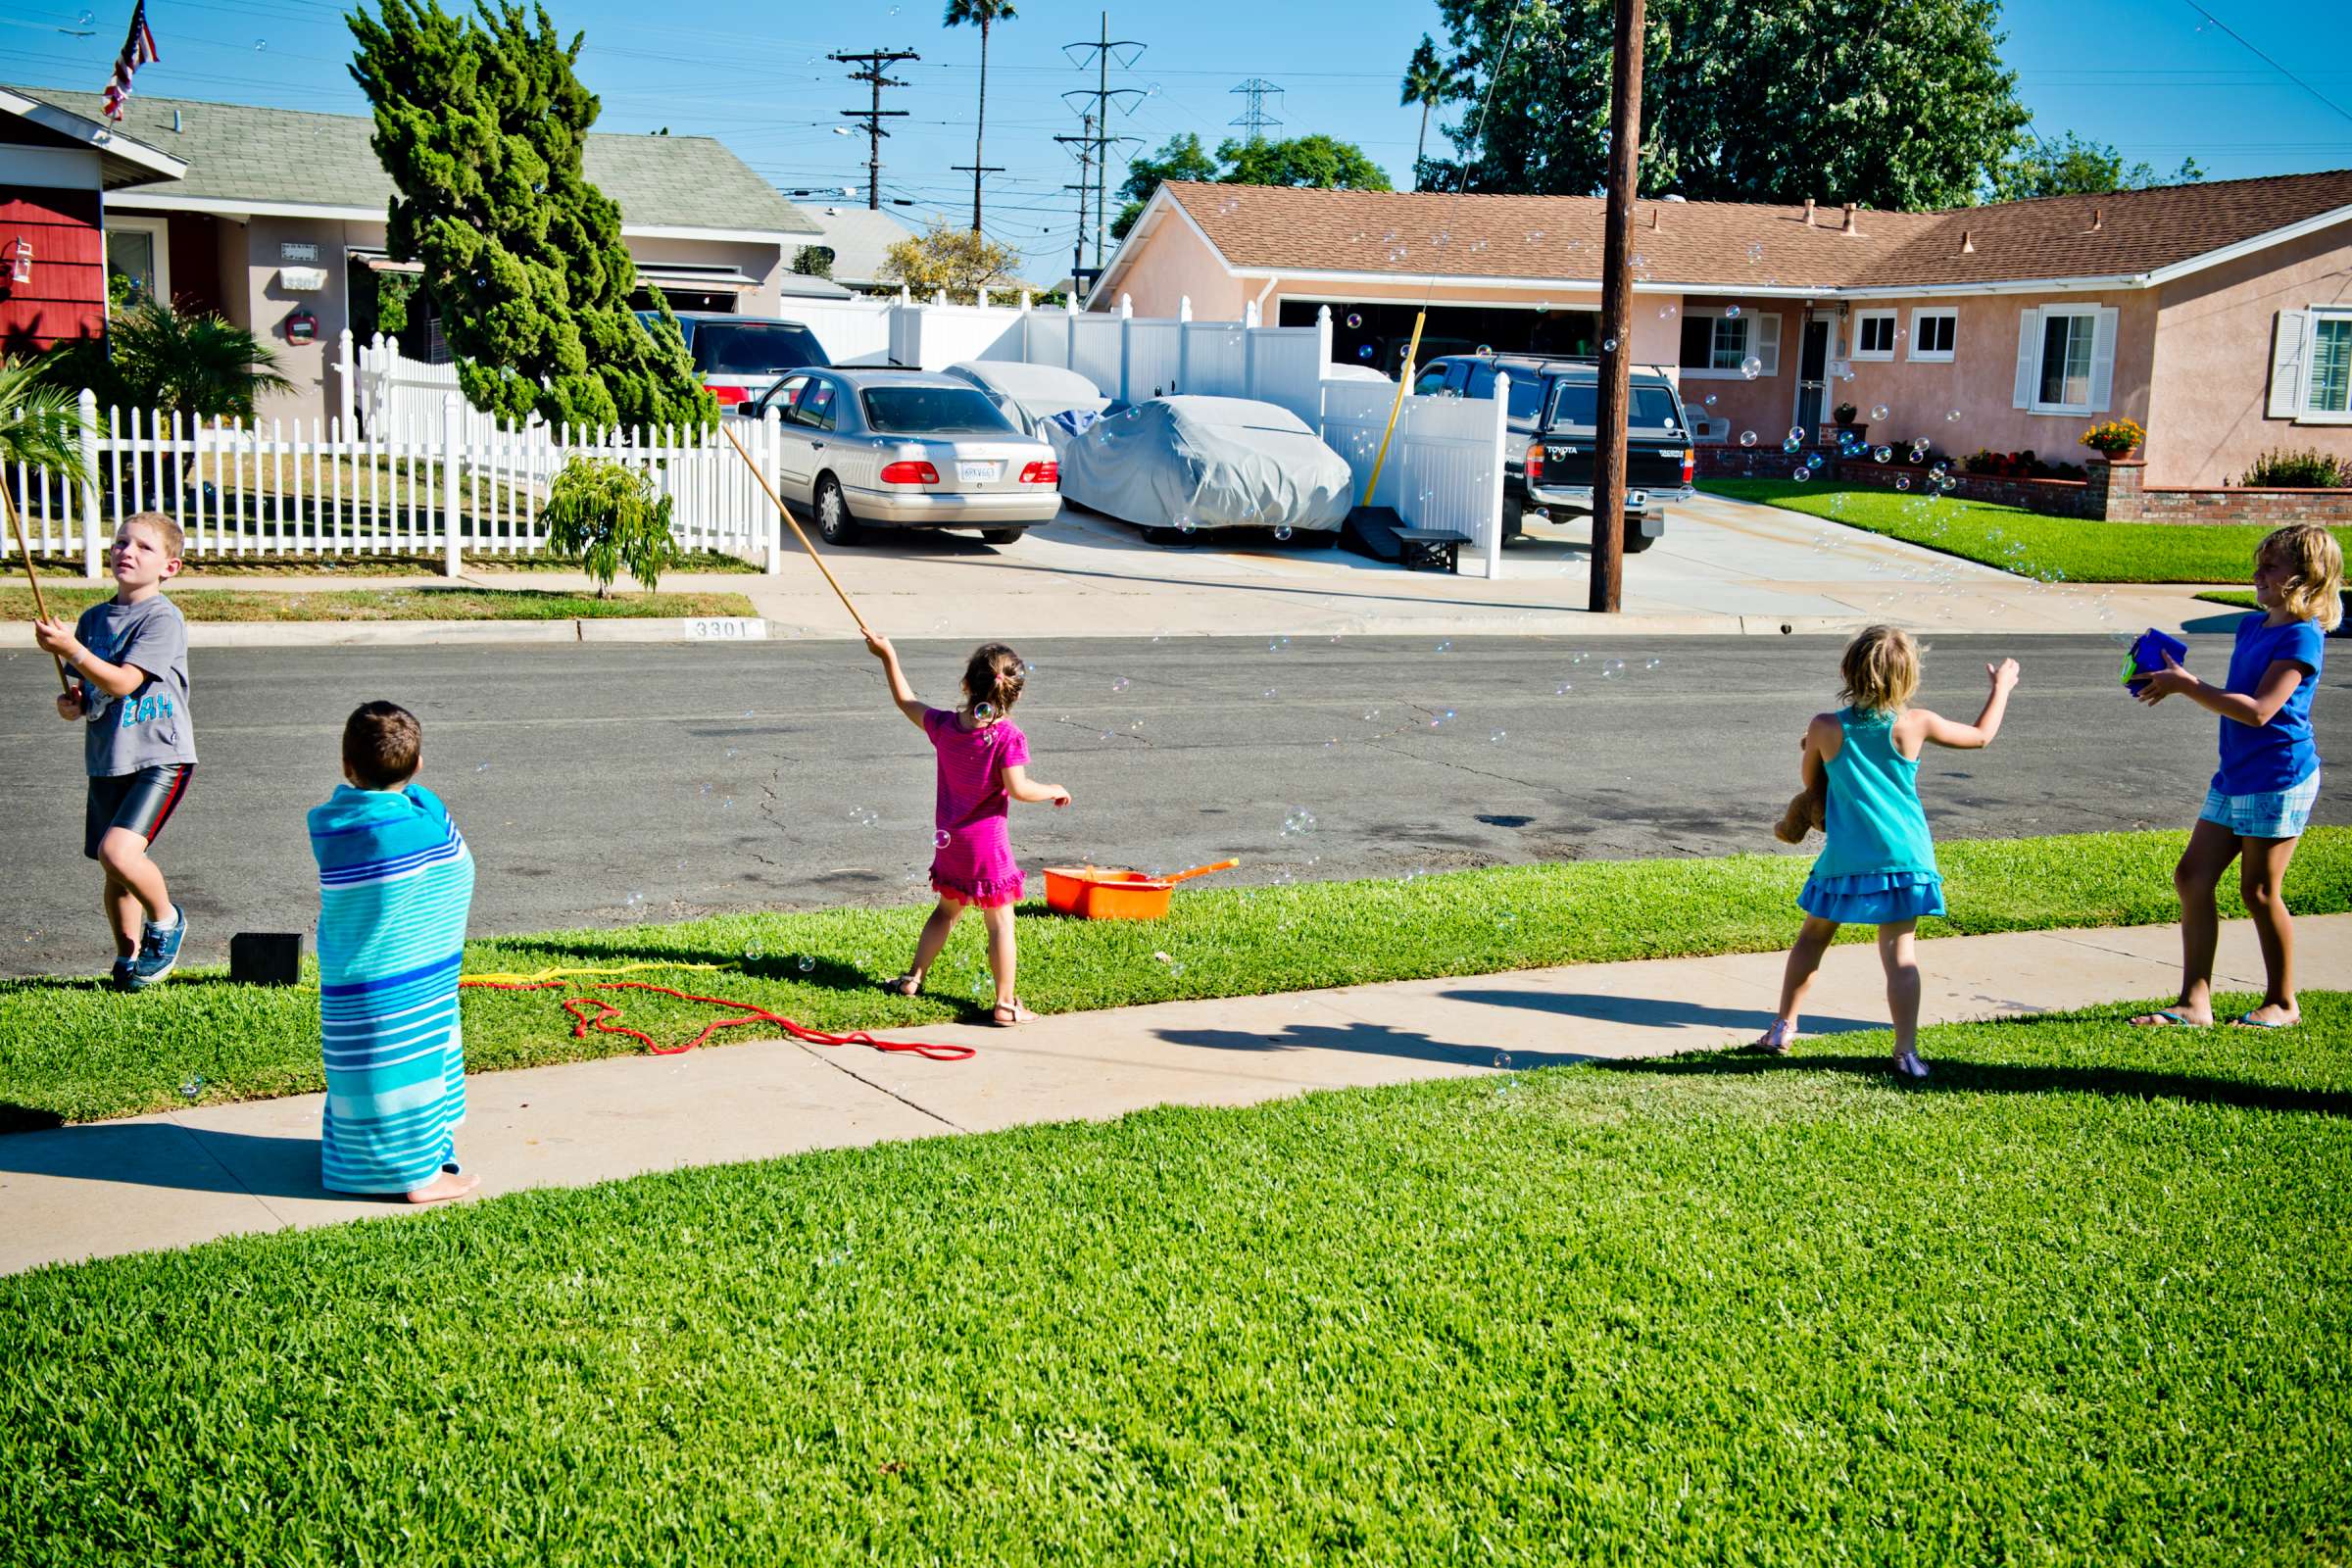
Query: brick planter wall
[[2052, 498], [2246, 506]]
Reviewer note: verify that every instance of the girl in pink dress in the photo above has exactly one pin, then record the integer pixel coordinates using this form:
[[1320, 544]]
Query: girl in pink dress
[[983, 768]]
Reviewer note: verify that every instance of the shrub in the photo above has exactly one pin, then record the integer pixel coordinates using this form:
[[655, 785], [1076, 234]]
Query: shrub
[[2308, 469], [1844, 414], [605, 514], [2020, 465]]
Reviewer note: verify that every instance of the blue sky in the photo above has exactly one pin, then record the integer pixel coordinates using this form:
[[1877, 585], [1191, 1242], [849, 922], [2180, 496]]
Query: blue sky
[[2153, 77]]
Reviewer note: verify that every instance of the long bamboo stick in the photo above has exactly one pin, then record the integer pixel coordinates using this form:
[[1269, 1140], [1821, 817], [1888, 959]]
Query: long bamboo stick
[[41, 606], [786, 513]]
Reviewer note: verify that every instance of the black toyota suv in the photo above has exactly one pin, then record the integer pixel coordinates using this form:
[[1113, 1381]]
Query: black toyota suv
[[1554, 417]]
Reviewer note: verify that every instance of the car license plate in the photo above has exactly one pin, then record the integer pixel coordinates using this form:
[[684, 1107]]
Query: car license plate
[[1637, 500], [978, 473]]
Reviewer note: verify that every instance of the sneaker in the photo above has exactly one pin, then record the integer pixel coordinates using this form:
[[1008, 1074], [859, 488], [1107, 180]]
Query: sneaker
[[121, 979], [159, 950]]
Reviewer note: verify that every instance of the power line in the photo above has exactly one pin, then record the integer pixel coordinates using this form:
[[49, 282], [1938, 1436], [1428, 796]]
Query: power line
[[877, 63], [1099, 140], [1253, 118], [2266, 59]]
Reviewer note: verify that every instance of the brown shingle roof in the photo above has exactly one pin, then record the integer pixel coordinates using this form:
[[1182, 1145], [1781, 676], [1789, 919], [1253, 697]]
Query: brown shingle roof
[[1731, 245]]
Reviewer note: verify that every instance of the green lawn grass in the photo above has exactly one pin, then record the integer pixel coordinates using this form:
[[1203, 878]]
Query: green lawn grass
[[453, 603], [2022, 541], [2085, 1297], [71, 1048]]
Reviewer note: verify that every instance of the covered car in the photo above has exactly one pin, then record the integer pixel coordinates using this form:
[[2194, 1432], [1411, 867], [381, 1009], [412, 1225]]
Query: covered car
[[1212, 462], [1031, 395]]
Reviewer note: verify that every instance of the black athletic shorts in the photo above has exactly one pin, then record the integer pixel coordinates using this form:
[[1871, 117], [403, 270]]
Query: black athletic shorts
[[142, 802]]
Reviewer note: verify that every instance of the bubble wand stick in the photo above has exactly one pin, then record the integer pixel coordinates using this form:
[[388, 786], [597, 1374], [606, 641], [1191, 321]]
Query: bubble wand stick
[[41, 606], [785, 512]]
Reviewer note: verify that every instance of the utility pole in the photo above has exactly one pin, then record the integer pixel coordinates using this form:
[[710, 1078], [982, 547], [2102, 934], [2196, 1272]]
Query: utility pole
[[1253, 118], [1103, 95], [976, 171], [1607, 593], [1085, 185], [877, 63]]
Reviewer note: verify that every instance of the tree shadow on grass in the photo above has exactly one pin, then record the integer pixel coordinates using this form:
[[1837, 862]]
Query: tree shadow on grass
[[1958, 1075]]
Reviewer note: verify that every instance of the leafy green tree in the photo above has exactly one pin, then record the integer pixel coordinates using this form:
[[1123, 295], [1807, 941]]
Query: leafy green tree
[[2050, 166], [605, 515], [1429, 80], [1316, 160], [480, 121], [961, 261], [195, 363], [1888, 103], [814, 260], [981, 13], [40, 425]]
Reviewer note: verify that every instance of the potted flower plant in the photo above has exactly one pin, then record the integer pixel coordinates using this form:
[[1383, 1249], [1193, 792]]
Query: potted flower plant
[[2116, 440], [1844, 416]]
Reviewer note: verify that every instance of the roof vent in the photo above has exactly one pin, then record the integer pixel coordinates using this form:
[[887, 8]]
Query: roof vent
[[1654, 220], [1808, 211], [1968, 243], [2098, 219], [1849, 220]]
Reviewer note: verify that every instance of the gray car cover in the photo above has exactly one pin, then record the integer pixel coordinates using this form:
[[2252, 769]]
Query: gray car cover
[[1222, 462]]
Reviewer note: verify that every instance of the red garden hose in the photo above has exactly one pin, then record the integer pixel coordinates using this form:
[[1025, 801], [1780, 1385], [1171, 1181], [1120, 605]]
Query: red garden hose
[[590, 1012]]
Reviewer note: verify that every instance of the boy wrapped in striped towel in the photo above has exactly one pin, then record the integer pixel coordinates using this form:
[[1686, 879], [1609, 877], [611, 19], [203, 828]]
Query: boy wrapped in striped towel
[[395, 884]]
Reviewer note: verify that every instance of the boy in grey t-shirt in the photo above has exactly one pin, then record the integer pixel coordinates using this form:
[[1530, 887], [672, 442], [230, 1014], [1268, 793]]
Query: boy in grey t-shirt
[[138, 744]]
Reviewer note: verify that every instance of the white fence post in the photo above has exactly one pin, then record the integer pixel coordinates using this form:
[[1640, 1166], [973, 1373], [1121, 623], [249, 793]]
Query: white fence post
[[1184, 343], [452, 563], [1126, 345], [1502, 439], [772, 456], [346, 378], [1069, 336], [89, 484]]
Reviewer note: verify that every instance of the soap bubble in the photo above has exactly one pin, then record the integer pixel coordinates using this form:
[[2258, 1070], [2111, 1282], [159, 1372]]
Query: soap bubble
[[191, 1088], [1883, 455], [1282, 535], [1608, 345], [1651, 664], [1730, 313], [1496, 738], [984, 710], [1542, 306], [1665, 313], [1120, 684], [1953, 417], [1752, 368], [1564, 687], [1269, 691], [1748, 438], [1801, 476], [942, 838], [1796, 433], [1502, 1060], [1356, 321], [1794, 444], [753, 953], [1365, 351], [482, 767], [1445, 647], [1814, 460], [1878, 410], [1708, 400], [1903, 481]]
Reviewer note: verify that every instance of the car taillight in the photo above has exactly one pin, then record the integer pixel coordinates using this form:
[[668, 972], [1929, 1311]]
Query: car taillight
[[909, 474], [1535, 463], [729, 396], [1042, 474], [1690, 463]]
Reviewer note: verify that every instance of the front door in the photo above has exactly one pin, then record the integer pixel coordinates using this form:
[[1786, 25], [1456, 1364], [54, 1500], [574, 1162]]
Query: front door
[[1813, 379]]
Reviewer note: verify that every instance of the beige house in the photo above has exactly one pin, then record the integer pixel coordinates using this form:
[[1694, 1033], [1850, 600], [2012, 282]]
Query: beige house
[[279, 214], [2219, 316]]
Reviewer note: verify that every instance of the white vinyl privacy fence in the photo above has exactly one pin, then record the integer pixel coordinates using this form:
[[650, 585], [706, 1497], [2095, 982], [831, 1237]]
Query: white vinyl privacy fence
[[320, 489]]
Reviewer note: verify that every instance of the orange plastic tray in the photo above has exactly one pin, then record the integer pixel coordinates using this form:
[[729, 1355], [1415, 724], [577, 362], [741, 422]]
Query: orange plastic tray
[[1114, 891]]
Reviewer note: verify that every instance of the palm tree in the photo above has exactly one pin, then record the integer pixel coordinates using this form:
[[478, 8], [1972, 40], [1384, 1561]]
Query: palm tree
[[1428, 82], [201, 366], [984, 14]]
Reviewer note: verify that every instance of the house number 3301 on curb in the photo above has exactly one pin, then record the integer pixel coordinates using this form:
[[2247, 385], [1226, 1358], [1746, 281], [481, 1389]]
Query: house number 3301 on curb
[[726, 628]]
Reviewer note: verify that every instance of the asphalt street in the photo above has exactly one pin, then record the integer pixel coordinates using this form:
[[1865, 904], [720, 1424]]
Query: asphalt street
[[606, 784]]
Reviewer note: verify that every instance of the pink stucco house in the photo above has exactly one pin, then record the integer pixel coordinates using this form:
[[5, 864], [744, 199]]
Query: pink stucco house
[[2219, 316]]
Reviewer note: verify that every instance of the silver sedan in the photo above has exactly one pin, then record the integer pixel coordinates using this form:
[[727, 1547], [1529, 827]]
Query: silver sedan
[[907, 449]]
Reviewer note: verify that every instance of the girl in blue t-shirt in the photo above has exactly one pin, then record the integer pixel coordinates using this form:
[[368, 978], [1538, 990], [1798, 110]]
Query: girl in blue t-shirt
[[2261, 797]]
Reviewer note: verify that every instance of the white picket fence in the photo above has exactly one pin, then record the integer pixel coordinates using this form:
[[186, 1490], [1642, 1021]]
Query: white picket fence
[[322, 489]]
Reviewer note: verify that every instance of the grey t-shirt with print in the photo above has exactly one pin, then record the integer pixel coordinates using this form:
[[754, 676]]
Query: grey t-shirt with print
[[150, 728]]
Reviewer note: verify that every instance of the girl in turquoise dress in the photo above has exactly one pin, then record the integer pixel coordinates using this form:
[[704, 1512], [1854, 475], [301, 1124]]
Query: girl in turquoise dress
[[1880, 863]]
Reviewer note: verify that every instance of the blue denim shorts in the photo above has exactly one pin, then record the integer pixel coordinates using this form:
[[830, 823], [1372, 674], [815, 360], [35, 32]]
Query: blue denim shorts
[[2283, 814]]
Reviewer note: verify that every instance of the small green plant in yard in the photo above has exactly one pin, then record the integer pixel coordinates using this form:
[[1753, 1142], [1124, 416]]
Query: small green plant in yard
[[2025, 542], [605, 514], [2308, 469], [2084, 1298], [71, 1050]]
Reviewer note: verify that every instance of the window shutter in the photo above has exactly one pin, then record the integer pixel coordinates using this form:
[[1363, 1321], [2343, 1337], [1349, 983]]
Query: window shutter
[[2029, 355], [2102, 358], [1768, 343], [2287, 342]]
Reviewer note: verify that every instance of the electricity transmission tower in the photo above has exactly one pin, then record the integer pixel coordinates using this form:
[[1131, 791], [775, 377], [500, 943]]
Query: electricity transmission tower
[[1097, 138], [1253, 118], [877, 63]]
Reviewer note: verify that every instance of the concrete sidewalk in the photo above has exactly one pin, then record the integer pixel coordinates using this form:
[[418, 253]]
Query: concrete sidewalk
[[1724, 567], [176, 1179]]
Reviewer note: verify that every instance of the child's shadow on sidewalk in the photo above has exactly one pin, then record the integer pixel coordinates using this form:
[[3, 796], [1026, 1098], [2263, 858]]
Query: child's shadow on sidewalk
[[1656, 1012], [163, 1153], [1369, 1038]]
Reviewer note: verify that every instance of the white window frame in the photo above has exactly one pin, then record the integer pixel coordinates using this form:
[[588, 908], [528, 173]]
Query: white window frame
[[2093, 404], [1856, 351], [159, 233], [1764, 346], [2306, 364], [1929, 313]]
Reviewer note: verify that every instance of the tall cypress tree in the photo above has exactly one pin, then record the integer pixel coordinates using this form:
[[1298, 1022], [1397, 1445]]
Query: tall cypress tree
[[481, 122]]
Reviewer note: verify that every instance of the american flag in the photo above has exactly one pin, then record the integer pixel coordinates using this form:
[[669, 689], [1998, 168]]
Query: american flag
[[137, 49]]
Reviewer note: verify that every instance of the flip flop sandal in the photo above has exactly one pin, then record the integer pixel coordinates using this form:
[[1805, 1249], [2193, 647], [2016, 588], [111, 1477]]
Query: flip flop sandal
[[2246, 1020], [1775, 1040], [909, 984], [1908, 1065], [1020, 1014], [2167, 1018]]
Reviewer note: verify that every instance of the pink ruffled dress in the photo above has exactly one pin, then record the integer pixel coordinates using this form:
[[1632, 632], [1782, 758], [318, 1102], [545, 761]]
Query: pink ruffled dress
[[974, 863]]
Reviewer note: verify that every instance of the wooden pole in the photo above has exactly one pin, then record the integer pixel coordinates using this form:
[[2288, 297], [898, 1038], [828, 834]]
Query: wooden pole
[[41, 606], [1617, 310], [1404, 384], [786, 513]]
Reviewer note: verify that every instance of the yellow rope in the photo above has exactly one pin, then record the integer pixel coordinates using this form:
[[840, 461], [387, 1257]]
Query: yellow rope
[[566, 974]]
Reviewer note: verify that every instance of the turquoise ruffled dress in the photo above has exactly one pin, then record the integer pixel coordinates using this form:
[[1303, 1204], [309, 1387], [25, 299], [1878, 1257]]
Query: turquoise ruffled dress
[[1880, 863]]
